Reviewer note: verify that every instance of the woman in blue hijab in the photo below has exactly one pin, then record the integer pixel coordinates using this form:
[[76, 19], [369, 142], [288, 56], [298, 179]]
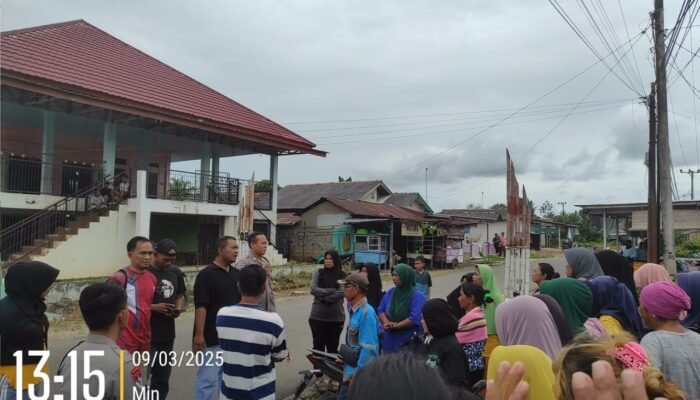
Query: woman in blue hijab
[[614, 306]]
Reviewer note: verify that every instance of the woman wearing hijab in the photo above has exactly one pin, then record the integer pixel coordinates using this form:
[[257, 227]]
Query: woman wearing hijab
[[538, 368], [672, 348], [471, 331], [618, 267], [400, 309], [690, 283], [374, 292], [441, 346], [327, 316], [582, 264], [566, 332], [574, 297], [23, 323], [492, 299], [614, 306], [650, 273], [526, 320]]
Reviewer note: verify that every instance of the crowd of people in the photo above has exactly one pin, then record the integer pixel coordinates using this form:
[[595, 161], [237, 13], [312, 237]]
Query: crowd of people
[[603, 331]]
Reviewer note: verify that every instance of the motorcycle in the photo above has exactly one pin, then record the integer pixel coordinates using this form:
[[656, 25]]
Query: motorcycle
[[323, 364]]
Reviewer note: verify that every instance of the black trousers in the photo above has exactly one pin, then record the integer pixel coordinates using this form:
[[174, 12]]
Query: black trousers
[[160, 372], [326, 335]]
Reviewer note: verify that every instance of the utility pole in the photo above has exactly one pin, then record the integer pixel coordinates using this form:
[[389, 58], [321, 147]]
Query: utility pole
[[563, 203], [664, 160], [653, 206], [692, 180], [426, 184]]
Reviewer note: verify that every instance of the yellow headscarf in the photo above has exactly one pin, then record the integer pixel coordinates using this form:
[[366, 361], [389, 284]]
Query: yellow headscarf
[[538, 368]]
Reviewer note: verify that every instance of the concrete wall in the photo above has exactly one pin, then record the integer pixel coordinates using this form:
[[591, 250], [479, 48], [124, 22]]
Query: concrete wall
[[27, 201], [483, 232], [305, 243], [96, 251], [323, 216]]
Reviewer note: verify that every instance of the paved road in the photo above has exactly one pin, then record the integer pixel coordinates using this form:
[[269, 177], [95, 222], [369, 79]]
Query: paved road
[[295, 312]]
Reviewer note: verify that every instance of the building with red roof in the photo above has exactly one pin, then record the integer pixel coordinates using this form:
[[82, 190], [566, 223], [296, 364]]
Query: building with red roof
[[87, 118]]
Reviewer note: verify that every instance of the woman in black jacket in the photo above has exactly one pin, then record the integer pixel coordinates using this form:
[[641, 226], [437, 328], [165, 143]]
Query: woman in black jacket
[[23, 322]]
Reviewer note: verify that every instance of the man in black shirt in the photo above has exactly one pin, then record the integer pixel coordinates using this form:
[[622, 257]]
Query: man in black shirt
[[168, 300], [216, 286]]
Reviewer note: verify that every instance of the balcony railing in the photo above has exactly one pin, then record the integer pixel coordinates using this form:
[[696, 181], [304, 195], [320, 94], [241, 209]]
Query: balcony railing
[[32, 176], [189, 186]]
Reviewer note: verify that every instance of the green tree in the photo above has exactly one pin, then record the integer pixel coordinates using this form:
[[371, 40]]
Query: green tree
[[473, 206], [547, 209], [341, 179], [498, 206], [264, 186]]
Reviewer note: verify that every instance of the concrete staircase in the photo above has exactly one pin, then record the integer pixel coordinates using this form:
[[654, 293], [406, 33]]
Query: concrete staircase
[[274, 256], [42, 247]]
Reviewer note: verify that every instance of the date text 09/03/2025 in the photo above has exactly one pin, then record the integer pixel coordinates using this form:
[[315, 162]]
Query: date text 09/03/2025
[[84, 368]]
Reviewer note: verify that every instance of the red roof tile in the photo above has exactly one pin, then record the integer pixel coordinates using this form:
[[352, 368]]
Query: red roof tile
[[77, 55], [376, 210], [287, 219]]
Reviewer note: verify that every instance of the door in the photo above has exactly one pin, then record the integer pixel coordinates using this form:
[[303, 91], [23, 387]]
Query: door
[[207, 235]]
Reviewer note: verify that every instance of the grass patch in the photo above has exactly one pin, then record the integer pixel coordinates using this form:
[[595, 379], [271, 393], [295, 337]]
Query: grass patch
[[547, 253]]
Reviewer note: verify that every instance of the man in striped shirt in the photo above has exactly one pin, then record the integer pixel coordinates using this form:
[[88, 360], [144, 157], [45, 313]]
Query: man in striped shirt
[[251, 340]]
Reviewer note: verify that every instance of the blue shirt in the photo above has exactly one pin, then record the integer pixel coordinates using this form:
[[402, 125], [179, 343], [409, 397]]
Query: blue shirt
[[392, 340], [362, 335]]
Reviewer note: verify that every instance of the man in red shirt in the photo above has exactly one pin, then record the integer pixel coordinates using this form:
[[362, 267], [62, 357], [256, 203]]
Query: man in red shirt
[[139, 284]]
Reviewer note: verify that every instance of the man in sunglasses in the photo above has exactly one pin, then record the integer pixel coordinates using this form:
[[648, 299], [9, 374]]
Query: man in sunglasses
[[361, 337]]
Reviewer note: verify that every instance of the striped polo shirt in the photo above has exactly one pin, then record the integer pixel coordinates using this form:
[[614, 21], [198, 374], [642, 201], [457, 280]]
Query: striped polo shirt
[[251, 340]]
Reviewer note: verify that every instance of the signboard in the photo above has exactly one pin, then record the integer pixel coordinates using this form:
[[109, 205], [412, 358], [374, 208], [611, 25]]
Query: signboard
[[411, 229]]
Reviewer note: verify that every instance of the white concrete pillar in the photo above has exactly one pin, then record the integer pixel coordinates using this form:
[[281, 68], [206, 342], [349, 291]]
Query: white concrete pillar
[[143, 213], [47, 152], [605, 229], [109, 148], [274, 169]]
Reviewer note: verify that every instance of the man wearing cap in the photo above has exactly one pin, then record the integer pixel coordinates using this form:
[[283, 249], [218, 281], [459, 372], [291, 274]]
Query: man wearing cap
[[168, 301], [362, 337]]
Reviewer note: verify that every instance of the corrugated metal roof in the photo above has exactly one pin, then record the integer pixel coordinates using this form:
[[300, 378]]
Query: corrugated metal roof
[[287, 219], [301, 196], [367, 209], [79, 58], [488, 214], [406, 199]]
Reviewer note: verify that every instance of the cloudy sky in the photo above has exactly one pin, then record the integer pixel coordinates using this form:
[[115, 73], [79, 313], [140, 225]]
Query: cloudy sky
[[392, 87]]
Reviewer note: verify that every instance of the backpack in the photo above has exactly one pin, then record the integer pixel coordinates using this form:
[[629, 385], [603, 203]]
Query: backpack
[[111, 279]]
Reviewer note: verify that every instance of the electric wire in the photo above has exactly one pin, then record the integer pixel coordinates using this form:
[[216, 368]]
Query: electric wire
[[406, 169]]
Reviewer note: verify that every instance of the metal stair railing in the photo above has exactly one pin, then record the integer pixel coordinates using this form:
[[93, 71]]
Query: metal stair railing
[[37, 227]]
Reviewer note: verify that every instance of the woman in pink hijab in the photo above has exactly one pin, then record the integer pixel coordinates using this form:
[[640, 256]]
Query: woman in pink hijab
[[650, 273], [672, 348]]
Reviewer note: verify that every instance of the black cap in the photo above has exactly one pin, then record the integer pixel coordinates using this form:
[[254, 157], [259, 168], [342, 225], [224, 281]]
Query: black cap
[[167, 247]]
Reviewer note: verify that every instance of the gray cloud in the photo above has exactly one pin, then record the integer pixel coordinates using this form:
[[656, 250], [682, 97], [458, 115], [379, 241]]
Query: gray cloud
[[317, 60]]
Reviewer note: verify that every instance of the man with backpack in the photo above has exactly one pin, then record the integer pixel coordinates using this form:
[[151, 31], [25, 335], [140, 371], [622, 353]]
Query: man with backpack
[[139, 284]]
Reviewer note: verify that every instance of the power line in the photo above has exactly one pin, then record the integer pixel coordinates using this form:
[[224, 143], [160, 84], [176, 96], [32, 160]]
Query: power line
[[374, 139], [403, 170], [474, 120], [569, 21], [541, 139], [474, 115]]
